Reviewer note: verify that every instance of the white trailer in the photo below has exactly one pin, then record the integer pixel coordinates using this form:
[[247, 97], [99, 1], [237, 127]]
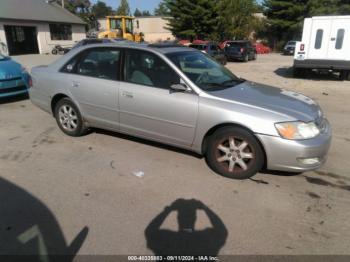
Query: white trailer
[[325, 45]]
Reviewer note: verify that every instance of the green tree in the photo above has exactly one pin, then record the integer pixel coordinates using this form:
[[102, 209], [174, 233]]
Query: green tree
[[137, 12], [81, 8], [124, 8], [161, 10], [329, 7], [236, 18], [146, 13], [192, 19], [285, 18], [100, 9]]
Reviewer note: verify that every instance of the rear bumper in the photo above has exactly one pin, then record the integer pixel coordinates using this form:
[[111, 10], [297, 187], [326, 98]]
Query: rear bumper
[[13, 87], [289, 155], [322, 64], [235, 56]]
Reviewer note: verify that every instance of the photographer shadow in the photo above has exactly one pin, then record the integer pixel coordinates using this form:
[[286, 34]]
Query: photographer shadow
[[187, 240]]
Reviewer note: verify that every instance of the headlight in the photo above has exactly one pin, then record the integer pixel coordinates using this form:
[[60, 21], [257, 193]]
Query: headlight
[[297, 130]]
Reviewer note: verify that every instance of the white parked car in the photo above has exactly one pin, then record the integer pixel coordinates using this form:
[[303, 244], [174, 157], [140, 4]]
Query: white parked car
[[325, 45]]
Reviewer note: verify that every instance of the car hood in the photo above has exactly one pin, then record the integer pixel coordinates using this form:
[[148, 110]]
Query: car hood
[[289, 103], [10, 69]]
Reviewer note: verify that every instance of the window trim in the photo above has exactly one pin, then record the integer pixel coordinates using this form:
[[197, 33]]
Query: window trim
[[81, 55]]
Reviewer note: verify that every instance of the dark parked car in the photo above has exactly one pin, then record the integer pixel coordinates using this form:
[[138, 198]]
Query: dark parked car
[[213, 50], [240, 50], [289, 48]]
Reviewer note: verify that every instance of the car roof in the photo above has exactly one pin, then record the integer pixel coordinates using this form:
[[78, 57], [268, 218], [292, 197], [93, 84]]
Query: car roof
[[159, 48]]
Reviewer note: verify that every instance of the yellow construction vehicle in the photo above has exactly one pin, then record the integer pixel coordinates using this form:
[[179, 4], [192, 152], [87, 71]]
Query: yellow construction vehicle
[[121, 27]]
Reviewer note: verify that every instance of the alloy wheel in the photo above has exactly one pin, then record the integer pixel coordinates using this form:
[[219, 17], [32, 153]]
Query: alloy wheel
[[234, 154], [68, 118]]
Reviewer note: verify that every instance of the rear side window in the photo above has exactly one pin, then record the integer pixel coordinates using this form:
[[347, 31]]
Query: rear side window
[[340, 39], [213, 48], [100, 63], [318, 40]]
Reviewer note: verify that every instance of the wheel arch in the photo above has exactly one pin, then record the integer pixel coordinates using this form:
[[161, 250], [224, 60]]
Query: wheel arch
[[212, 130], [55, 100]]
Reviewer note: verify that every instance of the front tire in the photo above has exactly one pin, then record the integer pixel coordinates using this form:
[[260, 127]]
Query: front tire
[[235, 153], [69, 118]]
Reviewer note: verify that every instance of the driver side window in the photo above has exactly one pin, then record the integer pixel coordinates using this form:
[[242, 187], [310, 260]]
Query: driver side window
[[145, 68]]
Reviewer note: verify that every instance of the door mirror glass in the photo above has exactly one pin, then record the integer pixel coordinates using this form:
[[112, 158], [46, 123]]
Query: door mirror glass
[[179, 87]]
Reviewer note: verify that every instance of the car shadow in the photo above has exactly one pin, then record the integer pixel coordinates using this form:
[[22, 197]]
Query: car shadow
[[13, 99], [279, 173], [287, 72], [29, 229], [186, 240], [147, 142]]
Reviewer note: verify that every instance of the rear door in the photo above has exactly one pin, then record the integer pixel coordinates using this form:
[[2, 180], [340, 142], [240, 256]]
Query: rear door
[[320, 39], [94, 85], [340, 39]]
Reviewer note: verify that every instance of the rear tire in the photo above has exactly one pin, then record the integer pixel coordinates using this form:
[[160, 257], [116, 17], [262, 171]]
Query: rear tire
[[298, 72], [344, 75], [69, 119], [246, 58], [235, 153], [54, 51], [255, 56]]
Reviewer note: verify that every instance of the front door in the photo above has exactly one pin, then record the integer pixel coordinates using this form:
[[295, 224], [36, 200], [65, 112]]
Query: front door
[[147, 106], [95, 85]]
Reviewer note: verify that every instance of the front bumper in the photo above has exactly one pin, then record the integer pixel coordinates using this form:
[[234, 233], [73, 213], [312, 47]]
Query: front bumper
[[288, 51], [287, 155]]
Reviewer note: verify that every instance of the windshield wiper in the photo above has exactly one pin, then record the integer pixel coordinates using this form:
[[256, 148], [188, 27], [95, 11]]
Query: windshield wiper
[[231, 81]]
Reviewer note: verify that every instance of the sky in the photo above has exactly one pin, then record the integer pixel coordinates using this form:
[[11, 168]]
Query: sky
[[140, 4]]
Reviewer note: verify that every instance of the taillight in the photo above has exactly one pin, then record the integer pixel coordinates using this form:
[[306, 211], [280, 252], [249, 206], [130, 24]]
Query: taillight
[[30, 82], [302, 47]]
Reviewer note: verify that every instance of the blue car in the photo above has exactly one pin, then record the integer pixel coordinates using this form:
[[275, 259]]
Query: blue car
[[14, 79]]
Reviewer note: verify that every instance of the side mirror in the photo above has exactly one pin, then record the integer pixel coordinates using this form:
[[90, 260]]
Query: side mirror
[[179, 88]]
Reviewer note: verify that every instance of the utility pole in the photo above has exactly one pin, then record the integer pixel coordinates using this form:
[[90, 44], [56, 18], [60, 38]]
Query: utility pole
[[63, 4]]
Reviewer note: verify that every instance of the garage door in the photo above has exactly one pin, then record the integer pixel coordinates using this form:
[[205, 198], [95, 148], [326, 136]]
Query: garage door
[[21, 40]]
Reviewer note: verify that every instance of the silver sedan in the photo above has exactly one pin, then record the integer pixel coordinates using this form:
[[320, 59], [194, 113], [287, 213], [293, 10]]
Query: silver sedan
[[181, 97]]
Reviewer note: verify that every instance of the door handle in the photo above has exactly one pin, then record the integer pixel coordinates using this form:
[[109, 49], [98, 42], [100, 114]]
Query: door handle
[[127, 94], [75, 84]]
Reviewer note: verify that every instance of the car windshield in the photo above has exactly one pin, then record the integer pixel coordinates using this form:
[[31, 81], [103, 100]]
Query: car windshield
[[291, 43], [204, 71]]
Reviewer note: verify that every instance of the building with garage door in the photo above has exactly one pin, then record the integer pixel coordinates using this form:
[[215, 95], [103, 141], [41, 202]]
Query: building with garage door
[[36, 26]]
